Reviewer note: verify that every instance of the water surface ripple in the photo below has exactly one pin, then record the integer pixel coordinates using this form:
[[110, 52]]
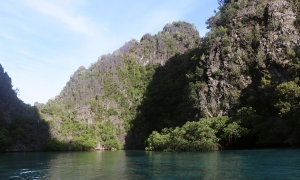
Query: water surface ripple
[[238, 164]]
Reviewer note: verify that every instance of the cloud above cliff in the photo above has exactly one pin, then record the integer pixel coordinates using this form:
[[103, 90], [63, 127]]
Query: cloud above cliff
[[43, 42]]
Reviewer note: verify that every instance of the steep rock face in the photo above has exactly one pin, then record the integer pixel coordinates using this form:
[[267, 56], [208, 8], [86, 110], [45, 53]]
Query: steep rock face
[[175, 38], [245, 67], [112, 88], [21, 128], [8, 97], [253, 44]]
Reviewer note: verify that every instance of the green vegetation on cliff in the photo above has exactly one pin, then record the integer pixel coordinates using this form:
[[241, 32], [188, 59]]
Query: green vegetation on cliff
[[102, 104], [21, 128], [236, 87], [245, 70]]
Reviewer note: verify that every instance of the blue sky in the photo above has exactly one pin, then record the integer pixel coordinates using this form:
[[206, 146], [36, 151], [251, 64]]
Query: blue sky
[[43, 42]]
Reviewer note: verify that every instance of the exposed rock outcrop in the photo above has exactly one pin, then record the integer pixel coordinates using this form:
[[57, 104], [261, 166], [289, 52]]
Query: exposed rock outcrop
[[259, 36]]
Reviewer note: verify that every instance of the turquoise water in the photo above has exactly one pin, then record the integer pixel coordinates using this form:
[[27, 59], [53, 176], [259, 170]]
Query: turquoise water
[[238, 164]]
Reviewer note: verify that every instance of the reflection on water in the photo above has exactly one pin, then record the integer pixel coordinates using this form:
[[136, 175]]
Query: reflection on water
[[244, 164], [87, 165]]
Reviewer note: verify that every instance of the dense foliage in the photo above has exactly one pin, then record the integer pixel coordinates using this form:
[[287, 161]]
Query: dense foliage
[[100, 105], [21, 128], [202, 135], [236, 87]]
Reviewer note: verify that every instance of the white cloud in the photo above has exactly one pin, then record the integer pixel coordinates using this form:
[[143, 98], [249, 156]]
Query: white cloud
[[75, 23], [43, 42], [8, 36]]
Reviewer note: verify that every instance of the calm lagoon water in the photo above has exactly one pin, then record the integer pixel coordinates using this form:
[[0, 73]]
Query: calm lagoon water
[[238, 164]]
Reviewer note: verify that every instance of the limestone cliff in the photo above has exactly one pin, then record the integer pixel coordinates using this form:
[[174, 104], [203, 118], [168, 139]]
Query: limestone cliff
[[246, 67], [253, 44], [21, 128]]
